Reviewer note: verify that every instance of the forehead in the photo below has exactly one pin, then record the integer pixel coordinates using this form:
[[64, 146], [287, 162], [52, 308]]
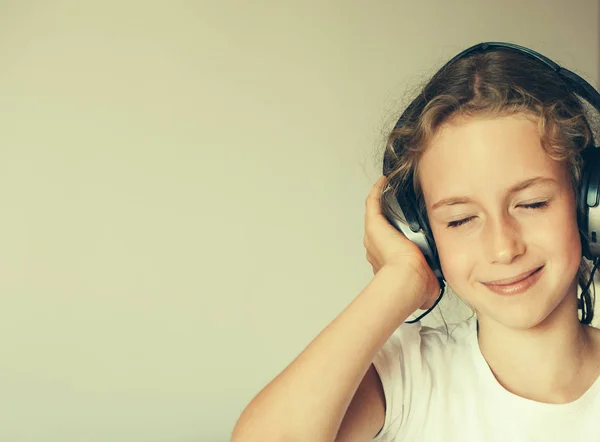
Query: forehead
[[484, 156]]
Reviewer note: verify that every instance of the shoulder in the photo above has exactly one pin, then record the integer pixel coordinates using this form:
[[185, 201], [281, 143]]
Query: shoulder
[[414, 359], [426, 341], [417, 356]]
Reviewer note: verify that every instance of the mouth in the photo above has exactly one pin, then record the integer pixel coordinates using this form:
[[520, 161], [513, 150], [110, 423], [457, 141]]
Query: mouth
[[514, 279], [517, 284]]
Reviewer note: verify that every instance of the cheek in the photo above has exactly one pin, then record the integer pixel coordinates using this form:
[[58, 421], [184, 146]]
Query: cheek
[[558, 235], [456, 257]]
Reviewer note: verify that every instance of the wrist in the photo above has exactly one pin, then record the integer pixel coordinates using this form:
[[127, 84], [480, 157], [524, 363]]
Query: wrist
[[405, 285]]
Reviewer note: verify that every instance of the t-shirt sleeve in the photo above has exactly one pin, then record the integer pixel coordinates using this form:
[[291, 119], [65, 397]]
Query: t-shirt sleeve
[[406, 382]]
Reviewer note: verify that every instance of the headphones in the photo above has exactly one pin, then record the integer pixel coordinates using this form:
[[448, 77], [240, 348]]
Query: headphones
[[400, 206]]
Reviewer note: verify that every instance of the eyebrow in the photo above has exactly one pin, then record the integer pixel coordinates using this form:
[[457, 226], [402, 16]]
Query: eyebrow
[[516, 188]]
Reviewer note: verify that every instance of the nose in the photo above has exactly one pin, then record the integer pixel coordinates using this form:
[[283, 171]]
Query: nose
[[503, 242]]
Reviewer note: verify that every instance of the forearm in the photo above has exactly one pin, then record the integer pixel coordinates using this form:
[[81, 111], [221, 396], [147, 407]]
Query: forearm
[[308, 400]]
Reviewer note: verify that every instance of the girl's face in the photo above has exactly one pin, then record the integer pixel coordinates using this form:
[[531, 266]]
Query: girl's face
[[499, 207]]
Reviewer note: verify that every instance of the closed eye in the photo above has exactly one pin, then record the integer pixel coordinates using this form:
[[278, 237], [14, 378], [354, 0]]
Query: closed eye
[[460, 222], [537, 205]]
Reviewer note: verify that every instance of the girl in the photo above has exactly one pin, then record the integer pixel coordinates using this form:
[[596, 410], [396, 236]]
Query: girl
[[490, 155]]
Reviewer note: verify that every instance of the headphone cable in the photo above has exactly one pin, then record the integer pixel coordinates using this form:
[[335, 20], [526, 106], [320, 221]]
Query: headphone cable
[[442, 289]]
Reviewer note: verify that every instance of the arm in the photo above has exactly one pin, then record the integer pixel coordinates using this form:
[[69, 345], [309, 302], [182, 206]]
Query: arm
[[365, 416], [309, 399]]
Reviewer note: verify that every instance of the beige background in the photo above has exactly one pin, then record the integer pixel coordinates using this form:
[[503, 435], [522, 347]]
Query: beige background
[[182, 189]]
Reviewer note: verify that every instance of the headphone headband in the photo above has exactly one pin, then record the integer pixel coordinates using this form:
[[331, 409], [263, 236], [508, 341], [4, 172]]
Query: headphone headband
[[578, 84]]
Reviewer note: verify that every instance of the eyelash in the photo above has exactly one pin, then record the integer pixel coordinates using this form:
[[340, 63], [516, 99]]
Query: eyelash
[[460, 222]]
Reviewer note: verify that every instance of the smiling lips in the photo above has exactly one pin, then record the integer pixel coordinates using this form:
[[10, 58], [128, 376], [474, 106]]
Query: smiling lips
[[516, 284]]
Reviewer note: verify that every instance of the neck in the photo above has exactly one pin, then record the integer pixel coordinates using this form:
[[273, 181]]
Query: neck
[[553, 362]]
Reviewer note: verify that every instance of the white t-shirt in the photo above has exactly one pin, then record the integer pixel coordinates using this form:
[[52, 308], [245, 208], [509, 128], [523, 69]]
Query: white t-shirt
[[440, 388]]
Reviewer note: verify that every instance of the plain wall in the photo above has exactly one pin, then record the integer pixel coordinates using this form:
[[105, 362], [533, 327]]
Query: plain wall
[[182, 191]]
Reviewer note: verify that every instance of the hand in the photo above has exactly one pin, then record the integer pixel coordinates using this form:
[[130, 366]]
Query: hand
[[387, 246]]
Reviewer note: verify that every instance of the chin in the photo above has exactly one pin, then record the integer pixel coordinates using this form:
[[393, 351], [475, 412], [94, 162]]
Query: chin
[[519, 320]]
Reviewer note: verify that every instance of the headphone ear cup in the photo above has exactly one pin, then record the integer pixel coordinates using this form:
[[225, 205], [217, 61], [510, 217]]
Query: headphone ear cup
[[589, 198], [435, 259], [400, 211]]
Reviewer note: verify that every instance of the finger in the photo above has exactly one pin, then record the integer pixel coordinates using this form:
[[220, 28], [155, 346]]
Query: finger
[[373, 205]]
